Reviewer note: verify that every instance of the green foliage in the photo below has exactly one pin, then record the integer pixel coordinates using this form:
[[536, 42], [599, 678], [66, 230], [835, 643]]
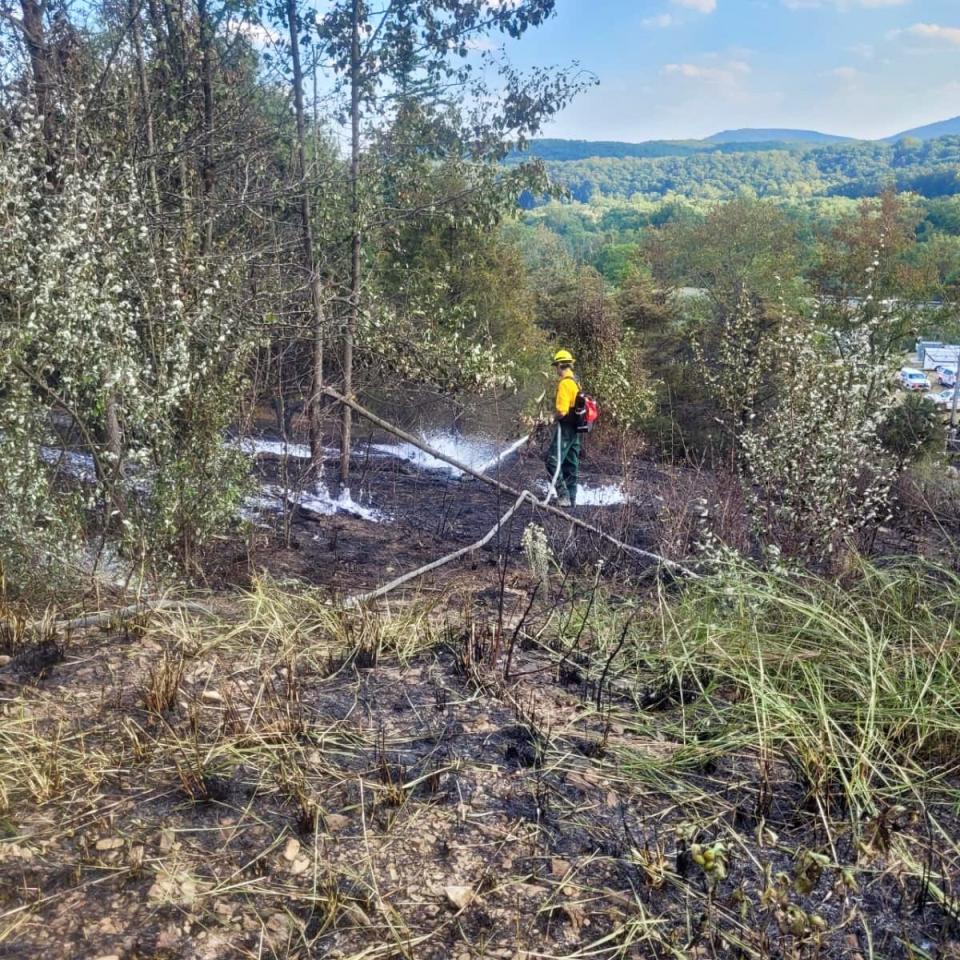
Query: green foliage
[[782, 170], [104, 323], [849, 679], [741, 245], [447, 294], [912, 429]]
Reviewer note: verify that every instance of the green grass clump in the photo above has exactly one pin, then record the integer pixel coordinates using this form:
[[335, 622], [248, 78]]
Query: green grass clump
[[854, 682]]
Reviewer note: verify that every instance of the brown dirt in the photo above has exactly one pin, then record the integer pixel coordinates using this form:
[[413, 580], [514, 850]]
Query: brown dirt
[[311, 789], [316, 792]]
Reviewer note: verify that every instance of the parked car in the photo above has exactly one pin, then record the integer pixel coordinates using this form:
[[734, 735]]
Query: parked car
[[946, 376], [942, 398], [913, 380]]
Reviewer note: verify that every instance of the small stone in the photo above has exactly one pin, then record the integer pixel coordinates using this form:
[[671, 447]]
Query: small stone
[[576, 916], [335, 822], [211, 696], [160, 890], [459, 896], [292, 850], [167, 839], [110, 843], [559, 868], [4, 660], [300, 865]]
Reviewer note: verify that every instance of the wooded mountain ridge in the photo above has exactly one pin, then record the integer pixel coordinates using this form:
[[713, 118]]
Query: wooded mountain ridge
[[718, 170], [741, 140]]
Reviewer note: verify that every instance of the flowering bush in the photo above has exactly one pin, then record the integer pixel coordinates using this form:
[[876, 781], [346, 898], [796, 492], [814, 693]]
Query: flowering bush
[[815, 466], [805, 410], [736, 359], [104, 319]]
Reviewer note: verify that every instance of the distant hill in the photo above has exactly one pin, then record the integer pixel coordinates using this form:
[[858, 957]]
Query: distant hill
[[764, 135], [563, 150], [931, 131], [568, 151], [745, 140], [764, 162], [698, 170]]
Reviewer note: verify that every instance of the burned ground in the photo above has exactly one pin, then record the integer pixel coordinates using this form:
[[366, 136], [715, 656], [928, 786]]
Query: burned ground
[[286, 780], [465, 772]]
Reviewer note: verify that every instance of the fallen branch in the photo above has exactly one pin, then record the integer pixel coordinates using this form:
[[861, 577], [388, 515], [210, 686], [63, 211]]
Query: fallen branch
[[125, 614], [355, 601], [464, 468], [103, 617]]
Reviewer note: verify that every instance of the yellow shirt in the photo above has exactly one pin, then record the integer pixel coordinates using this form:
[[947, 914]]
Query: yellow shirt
[[567, 390]]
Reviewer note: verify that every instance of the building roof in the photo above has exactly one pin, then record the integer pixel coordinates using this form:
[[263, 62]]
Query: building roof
[[934, 356]]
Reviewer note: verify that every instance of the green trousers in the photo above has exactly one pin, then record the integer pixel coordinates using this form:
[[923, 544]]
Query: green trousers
[[569, 453]]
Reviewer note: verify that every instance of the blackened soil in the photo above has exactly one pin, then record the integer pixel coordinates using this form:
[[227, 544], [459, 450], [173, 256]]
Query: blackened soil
[[431, 513]]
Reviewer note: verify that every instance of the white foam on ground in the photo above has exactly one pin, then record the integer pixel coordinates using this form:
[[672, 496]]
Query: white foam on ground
[[258, 446], [606, 495], [80, 466], [255, 506], [317, 499], [480, 455]]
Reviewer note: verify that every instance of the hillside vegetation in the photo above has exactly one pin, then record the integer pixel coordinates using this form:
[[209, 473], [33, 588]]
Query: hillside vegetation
[[302, 657], [768, 167]]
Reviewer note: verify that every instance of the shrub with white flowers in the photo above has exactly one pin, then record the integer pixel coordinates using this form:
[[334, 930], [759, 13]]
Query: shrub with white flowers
[[106, 321], [737, 359], [537, 550], [815, 466], [804, 404]]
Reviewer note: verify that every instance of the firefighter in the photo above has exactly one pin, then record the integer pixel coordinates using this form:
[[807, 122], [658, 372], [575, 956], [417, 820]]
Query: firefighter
[[565, 443]]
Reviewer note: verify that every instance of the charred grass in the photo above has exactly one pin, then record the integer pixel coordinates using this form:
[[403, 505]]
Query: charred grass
[[756, 765]]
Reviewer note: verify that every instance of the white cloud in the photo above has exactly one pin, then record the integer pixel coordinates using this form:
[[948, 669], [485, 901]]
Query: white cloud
[[660, 22], [728, 73], [842, 4], [844, 73], [703, 6], [935, 31]]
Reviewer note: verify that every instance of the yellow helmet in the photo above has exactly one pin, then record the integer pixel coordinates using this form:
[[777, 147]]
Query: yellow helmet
[[563, 356]]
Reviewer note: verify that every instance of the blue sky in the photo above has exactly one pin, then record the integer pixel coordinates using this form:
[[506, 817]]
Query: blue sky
[[676, 69]]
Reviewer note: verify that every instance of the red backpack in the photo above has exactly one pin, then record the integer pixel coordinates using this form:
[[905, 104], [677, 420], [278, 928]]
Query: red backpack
[[587, 411]]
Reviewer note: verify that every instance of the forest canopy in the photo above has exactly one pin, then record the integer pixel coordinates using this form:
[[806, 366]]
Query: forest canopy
[[704, 170]]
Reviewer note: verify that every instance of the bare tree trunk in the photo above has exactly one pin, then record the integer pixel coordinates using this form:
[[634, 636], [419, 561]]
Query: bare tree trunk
[[146, 106], [316, 390], [206, 162], [114, 436], [177, 98], [306, 229], [356, 241], [34, 34]]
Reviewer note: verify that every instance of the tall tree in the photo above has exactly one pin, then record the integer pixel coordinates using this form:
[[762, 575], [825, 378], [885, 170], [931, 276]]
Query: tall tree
[[309, 256], [420, 49]]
